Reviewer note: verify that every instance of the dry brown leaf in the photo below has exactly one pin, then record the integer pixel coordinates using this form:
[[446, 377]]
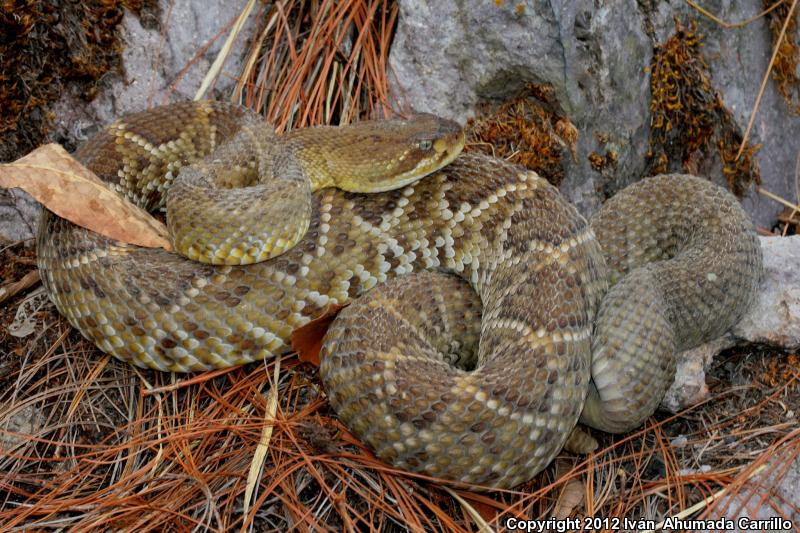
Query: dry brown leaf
[[307, 340], [571, 495], [570, 498], [72, 191]]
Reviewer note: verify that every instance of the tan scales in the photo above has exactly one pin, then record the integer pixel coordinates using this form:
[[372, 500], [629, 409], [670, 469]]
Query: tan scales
[[480, 236]]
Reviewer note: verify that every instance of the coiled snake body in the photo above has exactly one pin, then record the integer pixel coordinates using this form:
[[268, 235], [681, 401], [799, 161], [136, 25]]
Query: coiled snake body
[[472, 357]]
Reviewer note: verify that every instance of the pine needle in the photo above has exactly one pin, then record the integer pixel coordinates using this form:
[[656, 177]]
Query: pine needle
[[263, 445], [764, 79], [216, 66]]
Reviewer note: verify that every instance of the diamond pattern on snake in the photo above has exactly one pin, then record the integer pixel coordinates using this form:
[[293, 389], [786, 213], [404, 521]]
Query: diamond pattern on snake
[[487, 316]]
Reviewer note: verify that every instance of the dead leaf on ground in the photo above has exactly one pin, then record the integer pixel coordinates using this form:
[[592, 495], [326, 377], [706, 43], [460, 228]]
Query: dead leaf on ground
[[28, 314], [307, 340], [72, 191], [571, 498], [571, 495]]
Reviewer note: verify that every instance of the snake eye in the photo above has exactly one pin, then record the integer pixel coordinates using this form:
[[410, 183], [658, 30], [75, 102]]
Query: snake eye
[[425, 144]]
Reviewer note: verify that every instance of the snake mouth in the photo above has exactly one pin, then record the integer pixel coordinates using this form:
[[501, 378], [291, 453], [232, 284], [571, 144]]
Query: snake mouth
[[406, 179]]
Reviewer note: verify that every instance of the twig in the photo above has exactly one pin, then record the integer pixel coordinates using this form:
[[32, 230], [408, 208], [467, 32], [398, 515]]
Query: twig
[[772, 196], [764, 80], [266, 434], [216, 66], [732, 25], [10, 290]]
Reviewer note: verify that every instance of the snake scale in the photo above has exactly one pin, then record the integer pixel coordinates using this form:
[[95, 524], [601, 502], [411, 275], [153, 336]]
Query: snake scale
[[482, 326]]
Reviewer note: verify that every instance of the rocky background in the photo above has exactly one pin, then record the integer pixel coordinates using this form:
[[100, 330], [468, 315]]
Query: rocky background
[[453, 57], [449, 56], [166, 51]]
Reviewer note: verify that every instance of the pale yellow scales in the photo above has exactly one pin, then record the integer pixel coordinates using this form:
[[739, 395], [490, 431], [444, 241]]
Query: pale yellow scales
[[482, 265]]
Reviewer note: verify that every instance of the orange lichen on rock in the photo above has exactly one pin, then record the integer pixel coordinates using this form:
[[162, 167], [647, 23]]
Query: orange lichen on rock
[[600, 162], [526, 131], [779, 372], [688, 116]]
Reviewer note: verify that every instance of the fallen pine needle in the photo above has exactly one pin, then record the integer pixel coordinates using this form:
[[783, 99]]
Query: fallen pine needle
[[263, 445], [205, 376], [703, 503], [757, 103], [479, 521], [773, 196], [731, 25], [96, 371], [216, 66]]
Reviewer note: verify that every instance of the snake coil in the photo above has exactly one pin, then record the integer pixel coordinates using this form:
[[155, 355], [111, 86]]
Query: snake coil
[[479, 326]]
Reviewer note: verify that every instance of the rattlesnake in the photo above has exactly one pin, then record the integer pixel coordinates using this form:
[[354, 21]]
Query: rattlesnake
[[480, 236]]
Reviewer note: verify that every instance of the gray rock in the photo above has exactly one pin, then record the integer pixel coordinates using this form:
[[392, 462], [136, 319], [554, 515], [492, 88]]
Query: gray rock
[[160, 67], [449, 55], [689, 387], [774, 319], [167, 64], [19, 214], [738, 59]]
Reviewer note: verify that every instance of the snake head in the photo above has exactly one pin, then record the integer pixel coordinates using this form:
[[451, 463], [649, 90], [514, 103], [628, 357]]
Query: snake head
[[381, 155]]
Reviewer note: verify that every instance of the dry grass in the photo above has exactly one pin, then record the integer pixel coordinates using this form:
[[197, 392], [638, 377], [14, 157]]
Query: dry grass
[[320, 62], [89, 442]]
